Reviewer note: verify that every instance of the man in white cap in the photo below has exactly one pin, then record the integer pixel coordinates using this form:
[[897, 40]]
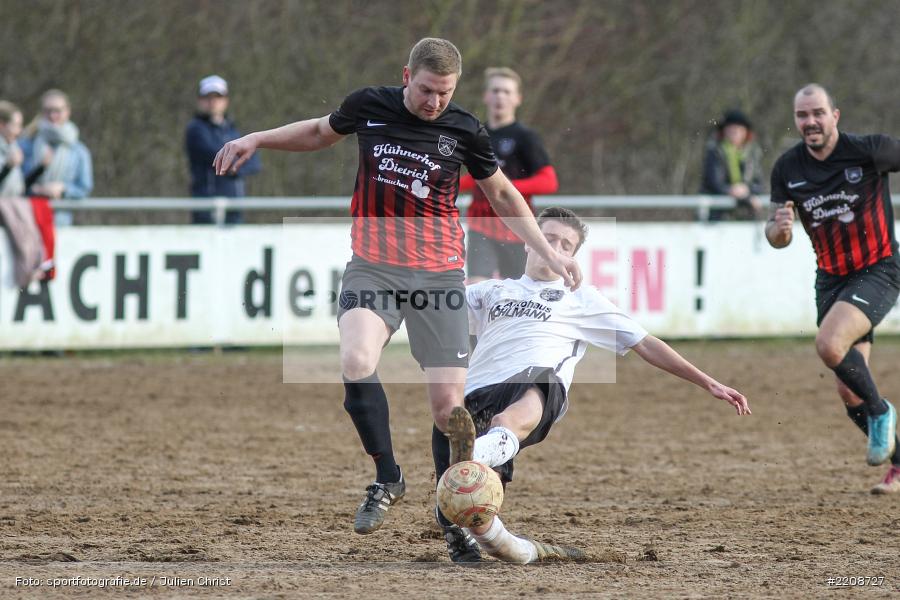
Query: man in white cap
[[207, 132]]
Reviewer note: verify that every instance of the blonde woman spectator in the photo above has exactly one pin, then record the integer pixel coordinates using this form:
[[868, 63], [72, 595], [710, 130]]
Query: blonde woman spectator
[[69, 173]]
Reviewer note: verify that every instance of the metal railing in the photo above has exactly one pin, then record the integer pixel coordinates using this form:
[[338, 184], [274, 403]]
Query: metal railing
[[219, 206]]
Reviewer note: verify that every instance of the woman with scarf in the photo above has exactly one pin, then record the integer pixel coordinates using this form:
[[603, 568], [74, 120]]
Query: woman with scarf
[[69, 173]]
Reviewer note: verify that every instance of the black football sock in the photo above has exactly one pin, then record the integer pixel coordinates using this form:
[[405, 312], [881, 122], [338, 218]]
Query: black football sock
[[857, 414], [440, 451], [367, 404], [854, 373]]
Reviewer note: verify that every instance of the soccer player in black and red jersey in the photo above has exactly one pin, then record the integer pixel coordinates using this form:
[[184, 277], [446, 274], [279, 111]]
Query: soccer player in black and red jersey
[[492, 247], [407, 244], [838, 183]]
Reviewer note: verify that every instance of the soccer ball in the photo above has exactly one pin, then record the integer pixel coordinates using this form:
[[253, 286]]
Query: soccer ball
[[470, 494]]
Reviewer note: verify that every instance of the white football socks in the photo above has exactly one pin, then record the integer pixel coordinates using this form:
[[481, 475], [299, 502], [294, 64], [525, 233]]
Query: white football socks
[[501, 544], [496, 447]]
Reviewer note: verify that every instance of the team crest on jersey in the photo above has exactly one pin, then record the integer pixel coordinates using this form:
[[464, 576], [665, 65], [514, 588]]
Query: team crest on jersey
[[506, 146], [446, 145], [853, 174], [551, 294]]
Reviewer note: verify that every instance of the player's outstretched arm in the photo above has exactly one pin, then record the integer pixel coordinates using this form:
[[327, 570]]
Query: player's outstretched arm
[[302, 136], [510, 206], [662, 356], [780, 225]]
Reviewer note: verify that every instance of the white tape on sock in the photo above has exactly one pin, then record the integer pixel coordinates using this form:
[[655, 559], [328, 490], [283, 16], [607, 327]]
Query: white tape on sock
[[501, 544], [496, 447]]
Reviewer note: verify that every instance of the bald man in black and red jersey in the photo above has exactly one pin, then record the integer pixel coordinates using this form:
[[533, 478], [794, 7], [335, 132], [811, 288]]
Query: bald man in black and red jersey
[[838, 183], [492, 247], [407, 246]]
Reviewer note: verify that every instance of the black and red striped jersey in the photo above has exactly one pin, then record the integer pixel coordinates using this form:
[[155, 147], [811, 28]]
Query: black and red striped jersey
[[521, 154], [404, 202], [844, 201]]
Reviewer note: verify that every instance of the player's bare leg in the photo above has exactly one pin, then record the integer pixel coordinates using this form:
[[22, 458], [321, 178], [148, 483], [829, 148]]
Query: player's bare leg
[[841, 327], [445, 392], [890, 483], [363, 335]]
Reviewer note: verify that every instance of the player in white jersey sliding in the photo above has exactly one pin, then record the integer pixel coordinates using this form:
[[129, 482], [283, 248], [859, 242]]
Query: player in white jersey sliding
[[531, 332]]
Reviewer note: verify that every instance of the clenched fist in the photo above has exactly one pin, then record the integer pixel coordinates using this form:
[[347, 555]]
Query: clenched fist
[[780, 226], [784, 218]]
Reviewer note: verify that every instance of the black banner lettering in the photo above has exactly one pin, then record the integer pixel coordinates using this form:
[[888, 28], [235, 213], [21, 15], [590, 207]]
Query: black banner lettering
[[137, 285], [41, 298], [181, 264], [266, 278], [82, 310]]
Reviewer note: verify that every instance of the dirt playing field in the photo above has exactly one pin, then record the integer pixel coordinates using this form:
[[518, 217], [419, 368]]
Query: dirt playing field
[[208, 477]]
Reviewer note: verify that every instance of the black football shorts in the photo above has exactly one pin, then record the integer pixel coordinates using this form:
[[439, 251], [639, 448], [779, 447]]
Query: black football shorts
[[873, 290], [486, 402]]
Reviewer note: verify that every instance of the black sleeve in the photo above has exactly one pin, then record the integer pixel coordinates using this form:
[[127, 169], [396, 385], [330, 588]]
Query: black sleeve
[[534, 156], [343, 120], [779, 194], [480, 159], [32, 177], [715, 180], [885, 153]]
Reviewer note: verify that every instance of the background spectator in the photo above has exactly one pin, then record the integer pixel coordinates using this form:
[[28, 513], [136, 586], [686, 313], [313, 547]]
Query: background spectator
[[69, 172], [492, 249], [12, 182], [207, 132], [732, 167]]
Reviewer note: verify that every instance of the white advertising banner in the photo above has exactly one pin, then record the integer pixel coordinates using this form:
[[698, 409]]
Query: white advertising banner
[[165, 286]]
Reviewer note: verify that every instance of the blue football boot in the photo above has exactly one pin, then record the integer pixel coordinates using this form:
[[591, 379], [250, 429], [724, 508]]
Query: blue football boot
[[882, 435]]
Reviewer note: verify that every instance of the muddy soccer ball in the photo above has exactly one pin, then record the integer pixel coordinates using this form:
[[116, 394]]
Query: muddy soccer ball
[[470, 494]]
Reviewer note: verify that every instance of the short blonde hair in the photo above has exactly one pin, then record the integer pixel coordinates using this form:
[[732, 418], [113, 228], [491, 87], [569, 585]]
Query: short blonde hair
[[54, 93], [436, 55], [7, 110], [505, 72]]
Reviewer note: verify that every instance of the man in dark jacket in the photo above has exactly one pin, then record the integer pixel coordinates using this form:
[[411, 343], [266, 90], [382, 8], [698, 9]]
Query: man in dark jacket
[[207, 132]]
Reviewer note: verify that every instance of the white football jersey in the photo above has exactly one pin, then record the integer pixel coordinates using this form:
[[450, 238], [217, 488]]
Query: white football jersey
[[522, 323]]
